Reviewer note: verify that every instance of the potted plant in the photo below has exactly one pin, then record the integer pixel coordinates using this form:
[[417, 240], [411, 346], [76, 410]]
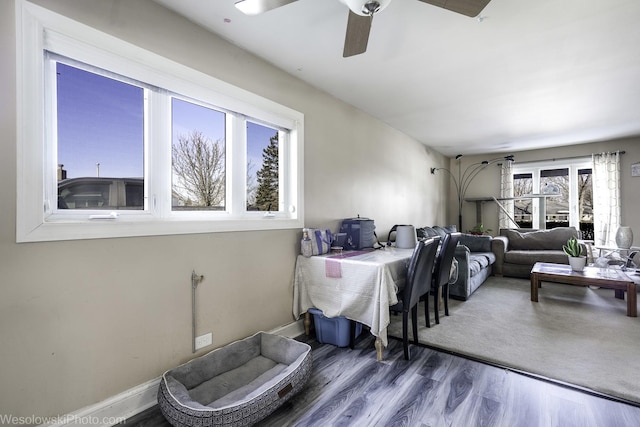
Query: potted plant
[[479, 230], [577, 261]]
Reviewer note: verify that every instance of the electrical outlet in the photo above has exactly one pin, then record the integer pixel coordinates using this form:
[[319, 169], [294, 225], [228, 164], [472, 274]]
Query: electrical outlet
[[203, 340]]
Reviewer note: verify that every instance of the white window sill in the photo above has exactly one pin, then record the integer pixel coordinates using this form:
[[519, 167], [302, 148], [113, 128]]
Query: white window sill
[[101, 229]]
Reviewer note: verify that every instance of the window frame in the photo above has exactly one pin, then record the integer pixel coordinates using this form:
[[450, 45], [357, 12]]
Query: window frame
[[535, 168], [37, 219]]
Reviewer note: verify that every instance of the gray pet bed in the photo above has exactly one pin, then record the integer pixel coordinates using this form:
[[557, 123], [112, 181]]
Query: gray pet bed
[[236, 385]]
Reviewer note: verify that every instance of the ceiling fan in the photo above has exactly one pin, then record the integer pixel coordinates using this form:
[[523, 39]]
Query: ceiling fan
[[361, 15]]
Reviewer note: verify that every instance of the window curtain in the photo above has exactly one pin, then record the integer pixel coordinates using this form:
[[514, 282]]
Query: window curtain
[[506, 191], [606, 197]]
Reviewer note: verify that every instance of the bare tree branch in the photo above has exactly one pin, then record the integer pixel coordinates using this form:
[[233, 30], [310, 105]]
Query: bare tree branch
[[199, 170]]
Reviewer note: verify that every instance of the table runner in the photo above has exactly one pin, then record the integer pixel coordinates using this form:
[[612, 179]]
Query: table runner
[[332, 263]]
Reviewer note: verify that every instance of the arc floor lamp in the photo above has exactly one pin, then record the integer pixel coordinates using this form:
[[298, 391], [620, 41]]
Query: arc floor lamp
[[464, 178]]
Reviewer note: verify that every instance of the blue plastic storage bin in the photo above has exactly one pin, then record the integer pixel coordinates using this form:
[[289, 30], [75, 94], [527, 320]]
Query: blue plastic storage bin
[[333, 330]]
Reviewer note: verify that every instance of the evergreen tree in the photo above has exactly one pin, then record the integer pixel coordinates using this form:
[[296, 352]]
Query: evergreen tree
[[267, 193]]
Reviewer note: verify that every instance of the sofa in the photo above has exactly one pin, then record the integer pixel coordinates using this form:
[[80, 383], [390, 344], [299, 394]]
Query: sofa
[[517, 250], [473, 258], [475, 261]]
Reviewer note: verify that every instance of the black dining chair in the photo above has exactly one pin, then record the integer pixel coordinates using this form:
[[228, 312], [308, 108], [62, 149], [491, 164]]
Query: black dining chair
[[442, 273], [425, 297], [417, 284]]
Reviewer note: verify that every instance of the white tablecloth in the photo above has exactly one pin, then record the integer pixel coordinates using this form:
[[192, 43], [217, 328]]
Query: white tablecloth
[[360, 288]]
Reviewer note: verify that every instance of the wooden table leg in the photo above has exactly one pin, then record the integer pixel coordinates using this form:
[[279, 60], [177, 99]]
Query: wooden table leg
[[379, 349], [535, 283], [307, 323], [632, 300]]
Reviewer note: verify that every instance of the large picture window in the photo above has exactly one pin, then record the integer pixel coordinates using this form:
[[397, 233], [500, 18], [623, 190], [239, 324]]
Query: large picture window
[[568, 191], [118, 141]]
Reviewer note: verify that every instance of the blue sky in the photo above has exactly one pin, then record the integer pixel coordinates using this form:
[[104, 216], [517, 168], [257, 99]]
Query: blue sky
[[100, 120]]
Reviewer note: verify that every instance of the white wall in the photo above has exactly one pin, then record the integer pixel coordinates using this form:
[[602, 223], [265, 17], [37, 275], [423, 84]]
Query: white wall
[[84, 320], [487, 183]]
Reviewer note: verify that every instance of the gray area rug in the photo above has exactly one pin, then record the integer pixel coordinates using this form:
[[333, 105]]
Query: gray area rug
[[577, 335]]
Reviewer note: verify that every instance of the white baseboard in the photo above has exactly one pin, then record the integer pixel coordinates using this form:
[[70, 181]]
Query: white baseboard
[[135, 400], [290, 330], [113, 410]]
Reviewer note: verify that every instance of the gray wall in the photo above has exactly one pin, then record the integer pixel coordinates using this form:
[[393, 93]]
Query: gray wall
[[487, 183], [84, 320]]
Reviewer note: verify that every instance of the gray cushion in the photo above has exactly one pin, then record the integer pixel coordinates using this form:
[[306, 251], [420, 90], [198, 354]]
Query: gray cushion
[[479, 261], [476, 243], [531, 257], [552, 239], [248, 389], [441, 231], [430, 232], [474, 267], [211, 391], [196, 371], [438, 231]]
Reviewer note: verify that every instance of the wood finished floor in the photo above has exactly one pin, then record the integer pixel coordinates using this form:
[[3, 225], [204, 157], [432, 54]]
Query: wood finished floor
[[350, 388]]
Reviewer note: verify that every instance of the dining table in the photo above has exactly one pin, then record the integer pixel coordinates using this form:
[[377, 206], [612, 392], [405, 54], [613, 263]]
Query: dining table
[[360, 285]]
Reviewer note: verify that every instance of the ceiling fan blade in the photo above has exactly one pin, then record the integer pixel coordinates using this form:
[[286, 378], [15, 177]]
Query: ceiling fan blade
[[357, 37], [470, 8], [255, 7]]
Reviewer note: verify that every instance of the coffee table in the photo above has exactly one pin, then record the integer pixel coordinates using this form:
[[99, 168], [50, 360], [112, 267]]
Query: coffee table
[[591, 276]]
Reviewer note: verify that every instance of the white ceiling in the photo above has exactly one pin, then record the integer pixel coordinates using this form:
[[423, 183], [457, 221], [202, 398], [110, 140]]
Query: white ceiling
[[531, 74]]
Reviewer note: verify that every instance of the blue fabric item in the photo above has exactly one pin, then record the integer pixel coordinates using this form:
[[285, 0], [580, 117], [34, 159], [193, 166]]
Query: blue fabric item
[[321, 240]]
